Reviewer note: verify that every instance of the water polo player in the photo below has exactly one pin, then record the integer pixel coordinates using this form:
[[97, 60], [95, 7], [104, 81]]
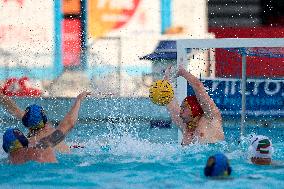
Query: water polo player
[[17, 147], [198, 117], [34, 119], [217, 166], [260, 150], [22, 149], [15, 144]]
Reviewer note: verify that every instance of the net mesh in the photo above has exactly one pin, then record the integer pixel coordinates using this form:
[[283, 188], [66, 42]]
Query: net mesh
[[264, 71], [261, 62], [260, 51]]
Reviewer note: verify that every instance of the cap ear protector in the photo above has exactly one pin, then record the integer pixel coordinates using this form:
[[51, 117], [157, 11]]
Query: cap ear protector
[[44, 117], [212, 170], [209, 166], [229, 170], [21, 137]]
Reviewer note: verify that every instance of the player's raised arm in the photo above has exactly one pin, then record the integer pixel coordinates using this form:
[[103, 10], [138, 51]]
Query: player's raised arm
[[65, 125], [11, 106], [173, 107], [72, 116], [208, 106]]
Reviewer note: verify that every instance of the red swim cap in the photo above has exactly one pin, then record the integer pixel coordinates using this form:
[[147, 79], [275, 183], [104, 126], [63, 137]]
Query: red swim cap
[[193, 104]]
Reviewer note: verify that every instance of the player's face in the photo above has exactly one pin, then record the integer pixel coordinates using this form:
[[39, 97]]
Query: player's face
[[185, 113]]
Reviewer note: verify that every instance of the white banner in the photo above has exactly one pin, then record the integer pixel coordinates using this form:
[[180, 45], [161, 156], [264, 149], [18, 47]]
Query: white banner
[[26, 33]]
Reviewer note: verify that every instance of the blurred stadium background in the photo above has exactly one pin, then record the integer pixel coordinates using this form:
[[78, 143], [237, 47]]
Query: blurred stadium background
[[116, 48]]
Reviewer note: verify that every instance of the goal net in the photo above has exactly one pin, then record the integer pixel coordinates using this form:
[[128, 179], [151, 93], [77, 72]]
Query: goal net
[[244, 77]]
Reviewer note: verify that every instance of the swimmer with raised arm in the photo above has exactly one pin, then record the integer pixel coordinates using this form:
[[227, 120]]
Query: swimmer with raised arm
[[34, 119], [198, 117], [22, 149]]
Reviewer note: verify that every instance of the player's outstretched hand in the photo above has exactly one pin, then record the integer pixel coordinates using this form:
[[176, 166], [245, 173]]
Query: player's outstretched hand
[[167, 72], [83, 95], [181, 70]]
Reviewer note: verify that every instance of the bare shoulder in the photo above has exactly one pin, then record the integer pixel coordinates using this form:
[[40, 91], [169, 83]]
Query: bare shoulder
[[210, 130], [49, 127]]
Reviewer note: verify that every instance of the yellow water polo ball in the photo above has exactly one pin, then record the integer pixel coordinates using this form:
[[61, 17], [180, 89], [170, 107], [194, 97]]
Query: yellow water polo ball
[[161, 92]]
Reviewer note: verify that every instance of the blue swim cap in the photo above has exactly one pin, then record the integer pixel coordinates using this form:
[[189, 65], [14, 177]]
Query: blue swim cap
[[217, 165], [34, 117], [14, 139]]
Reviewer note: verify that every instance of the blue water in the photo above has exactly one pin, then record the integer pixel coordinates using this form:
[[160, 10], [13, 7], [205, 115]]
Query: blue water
[[133, 155]]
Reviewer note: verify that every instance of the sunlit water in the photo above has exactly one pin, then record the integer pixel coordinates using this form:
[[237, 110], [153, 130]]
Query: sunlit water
[[133, 155]]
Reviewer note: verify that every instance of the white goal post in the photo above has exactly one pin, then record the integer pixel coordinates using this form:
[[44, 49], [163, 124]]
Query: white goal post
[[182, 58]]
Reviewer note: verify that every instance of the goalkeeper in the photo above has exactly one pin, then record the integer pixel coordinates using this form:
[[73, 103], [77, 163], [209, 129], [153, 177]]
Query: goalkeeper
[[198, 117]]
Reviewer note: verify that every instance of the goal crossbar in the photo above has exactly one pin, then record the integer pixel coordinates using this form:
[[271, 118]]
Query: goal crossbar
[[230, 43]]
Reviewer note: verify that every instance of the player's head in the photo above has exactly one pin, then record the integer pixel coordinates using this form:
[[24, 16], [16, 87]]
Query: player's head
[[190, 108], [14, 139], [260, 150], [34, 117], [217, 166]]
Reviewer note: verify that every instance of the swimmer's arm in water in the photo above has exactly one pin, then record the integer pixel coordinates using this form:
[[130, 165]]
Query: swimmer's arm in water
[[209, 107], [173, 107], [11, 106]]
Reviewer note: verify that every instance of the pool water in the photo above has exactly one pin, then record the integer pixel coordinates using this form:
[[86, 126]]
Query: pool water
[[134, 155]]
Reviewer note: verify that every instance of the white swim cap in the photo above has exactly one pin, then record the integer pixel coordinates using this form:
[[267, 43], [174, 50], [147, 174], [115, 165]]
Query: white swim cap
[[260, 147]]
